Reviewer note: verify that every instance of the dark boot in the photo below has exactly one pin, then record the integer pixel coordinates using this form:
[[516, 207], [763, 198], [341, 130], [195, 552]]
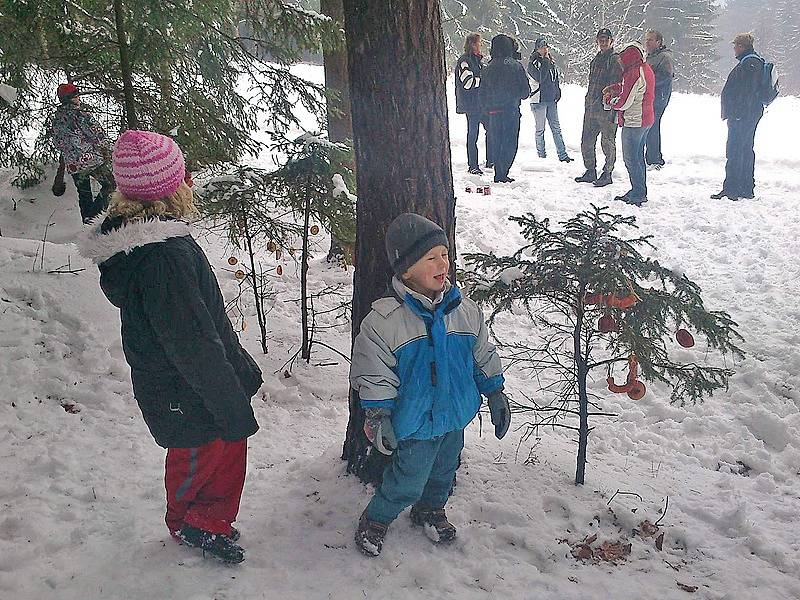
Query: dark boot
[[217, 545], [369, 535], [719, 195], [434, 520], [603, 180], [589, 177]]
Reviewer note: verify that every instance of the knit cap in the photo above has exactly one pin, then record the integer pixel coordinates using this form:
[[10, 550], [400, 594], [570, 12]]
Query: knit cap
[[541, 43], [147, 166], [409, 237], [67, 91]]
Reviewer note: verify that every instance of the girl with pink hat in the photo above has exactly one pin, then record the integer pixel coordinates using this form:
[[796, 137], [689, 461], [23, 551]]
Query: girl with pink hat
[[191, 377]]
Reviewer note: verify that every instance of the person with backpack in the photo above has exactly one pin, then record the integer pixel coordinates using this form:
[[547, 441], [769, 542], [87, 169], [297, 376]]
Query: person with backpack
[[659, 57], [504, 85], [545, 97], [598, 118], [83, 145], [191, 377], [468, 82], [746, 91]]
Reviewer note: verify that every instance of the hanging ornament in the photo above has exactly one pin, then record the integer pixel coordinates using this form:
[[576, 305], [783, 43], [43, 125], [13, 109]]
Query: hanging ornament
[[279, 270], [232, 260], [314, 229], [607, 324], [633, 387], [684, 338], [239, 274], [271, 247]]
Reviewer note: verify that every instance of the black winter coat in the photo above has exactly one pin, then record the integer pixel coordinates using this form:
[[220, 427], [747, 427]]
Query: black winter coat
[[545, 74], [504, 83], [191, 377], [741, 94], [468, 81]]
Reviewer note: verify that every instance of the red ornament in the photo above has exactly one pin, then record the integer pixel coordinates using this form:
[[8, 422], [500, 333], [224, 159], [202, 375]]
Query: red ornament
[[637, 390], [606, 324], [684, 338]]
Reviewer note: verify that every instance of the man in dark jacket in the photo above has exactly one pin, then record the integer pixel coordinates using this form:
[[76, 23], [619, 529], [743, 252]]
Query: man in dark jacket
[[545, 97], [598, 118], [504, 85], [468, 82], [659, 57], [742, 108]]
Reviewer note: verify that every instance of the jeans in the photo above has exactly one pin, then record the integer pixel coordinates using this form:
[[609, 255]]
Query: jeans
[[474, 120], [653, 146], [633, 141], [740, 167], [504, 140], [92, 206], [421, 472], [601, 124], [548, 111]]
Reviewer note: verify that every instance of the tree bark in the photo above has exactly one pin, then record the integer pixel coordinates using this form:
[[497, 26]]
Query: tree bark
[[397, 73], [131, 121], [337, 84], [582, 371]]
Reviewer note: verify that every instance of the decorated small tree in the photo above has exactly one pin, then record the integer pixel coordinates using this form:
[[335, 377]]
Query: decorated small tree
[[599, 302], [262, 210]]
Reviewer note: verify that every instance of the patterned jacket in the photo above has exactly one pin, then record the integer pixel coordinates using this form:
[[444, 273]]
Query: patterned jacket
[[604, 70], [79, 137], [427, 362]]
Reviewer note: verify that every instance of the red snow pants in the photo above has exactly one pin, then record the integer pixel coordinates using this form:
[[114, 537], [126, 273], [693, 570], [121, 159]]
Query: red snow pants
[[204, 485]]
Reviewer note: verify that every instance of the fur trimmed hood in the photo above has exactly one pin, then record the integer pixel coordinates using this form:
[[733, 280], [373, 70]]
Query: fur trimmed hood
[[98, 246]]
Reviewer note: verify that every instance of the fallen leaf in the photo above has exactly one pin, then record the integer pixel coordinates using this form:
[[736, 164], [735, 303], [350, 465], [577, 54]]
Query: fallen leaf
[[71, 408], [582, 551], [613, 551], [646, 528], [687, 588], [660, 541], [590, 540]]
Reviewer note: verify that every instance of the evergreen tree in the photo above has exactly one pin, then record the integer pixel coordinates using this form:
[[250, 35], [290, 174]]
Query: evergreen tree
[[175, 66], [688, 27], [599, 302]]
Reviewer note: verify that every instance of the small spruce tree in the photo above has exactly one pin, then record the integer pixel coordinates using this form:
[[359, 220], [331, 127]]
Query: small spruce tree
[[598, 302]]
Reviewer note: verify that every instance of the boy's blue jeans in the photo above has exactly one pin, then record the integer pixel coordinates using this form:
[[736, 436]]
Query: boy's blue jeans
[[421, 472]]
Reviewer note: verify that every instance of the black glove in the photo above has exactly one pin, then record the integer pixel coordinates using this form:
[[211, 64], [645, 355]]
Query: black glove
[[500, 411]]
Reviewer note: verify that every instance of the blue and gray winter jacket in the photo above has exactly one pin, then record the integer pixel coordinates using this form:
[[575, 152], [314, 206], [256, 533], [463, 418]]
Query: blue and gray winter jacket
[[428, 362]]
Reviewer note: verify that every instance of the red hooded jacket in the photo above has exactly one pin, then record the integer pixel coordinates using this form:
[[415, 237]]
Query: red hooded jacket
[[633, 97]]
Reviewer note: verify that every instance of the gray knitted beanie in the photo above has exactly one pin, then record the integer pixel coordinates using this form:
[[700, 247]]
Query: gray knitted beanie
[[409, 238]]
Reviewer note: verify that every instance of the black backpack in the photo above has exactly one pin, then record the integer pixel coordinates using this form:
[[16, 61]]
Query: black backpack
[[769, 87]]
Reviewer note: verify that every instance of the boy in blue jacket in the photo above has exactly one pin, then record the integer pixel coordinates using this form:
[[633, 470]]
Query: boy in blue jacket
[[421, 362]]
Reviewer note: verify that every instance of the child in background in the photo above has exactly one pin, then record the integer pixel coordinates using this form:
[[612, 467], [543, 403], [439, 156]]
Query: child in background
[[420, 364]]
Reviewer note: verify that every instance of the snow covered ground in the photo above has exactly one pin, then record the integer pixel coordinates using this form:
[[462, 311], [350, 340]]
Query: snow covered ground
[[81, 498]]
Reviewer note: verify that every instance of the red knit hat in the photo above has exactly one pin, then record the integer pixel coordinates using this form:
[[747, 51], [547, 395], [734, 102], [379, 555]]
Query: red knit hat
[[66, 91]]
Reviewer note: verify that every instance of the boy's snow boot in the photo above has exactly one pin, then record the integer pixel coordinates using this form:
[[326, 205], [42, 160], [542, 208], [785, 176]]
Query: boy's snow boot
[[437, 528], [369, 535], [589, 177], [603, 180], [475, 171], [217, 545], [719, 195]]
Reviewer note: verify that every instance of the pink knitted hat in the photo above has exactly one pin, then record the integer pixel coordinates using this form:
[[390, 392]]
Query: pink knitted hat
[[147, 166]]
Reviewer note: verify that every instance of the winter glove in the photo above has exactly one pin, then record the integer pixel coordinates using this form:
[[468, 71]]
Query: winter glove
[[59, 187], [500, 410], [378, 429]]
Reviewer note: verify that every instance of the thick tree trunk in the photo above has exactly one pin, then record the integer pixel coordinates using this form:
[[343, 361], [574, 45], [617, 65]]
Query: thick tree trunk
[[400, 131], [337, 84], [131, 121]]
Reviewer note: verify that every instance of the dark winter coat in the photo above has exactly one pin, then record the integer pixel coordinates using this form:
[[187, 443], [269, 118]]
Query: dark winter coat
[[741, 95], [660, 60], [504, 83], [468, 82], [544, 72], [191, 377], [604, 70]]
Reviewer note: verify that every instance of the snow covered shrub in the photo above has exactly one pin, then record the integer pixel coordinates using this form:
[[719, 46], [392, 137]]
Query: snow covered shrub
[[598, 302]]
